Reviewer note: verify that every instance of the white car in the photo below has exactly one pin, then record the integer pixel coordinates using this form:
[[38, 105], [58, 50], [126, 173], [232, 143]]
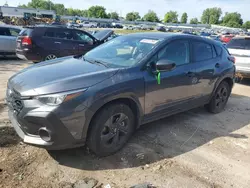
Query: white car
[[88, 24], [8, 36], [239, 47]]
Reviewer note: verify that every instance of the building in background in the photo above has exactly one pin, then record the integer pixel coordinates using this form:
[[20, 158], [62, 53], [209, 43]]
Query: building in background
[[6, 11]]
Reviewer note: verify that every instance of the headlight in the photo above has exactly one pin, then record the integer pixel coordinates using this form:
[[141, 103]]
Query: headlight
[[56, 99]]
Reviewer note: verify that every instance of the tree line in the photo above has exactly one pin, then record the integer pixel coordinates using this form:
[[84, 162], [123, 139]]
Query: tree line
[[209, 15]]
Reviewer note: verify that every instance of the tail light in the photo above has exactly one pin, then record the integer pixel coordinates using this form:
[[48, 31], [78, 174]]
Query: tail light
[[26, 41], [231, 58]]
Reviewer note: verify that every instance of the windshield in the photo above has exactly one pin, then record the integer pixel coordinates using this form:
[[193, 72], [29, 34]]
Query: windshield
[[123, 51]]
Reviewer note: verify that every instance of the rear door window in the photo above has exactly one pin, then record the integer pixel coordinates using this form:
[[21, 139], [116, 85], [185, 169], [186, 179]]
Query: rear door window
[[64, 34], [59, 34], [202, 51]]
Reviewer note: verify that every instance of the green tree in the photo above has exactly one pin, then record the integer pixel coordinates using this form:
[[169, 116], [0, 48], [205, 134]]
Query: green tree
[[59, 8], [70, 12], [171, 17], [211, 15], [246, 25], [85, 13], [23, 6], [194, 21], [132, 16], [232, 20], [151, 16], [113, 15], [184, 17], [97, 12]]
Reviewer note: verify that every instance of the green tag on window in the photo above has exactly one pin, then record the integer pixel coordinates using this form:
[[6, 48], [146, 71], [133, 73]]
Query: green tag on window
[[158, 77]]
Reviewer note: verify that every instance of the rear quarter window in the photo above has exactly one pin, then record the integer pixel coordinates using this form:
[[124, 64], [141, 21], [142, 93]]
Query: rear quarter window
[[218, 50], [25, 32], [14, 32]]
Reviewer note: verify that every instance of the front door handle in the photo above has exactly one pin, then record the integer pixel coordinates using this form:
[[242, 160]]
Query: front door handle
[[57, 42], [190, 74], [217, 65], [81, 44]]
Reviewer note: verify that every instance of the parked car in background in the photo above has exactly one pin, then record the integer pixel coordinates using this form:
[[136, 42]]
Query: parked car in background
[[101, 98], [146, 27], [48, 42], [8, 35], [239, 47], [161, 28], [128, 27], [226, 38], [117, 25], [104, 25], [73, 25], [88, 24]]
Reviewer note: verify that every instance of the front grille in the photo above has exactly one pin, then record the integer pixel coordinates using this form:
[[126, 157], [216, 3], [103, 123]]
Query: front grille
[[14, 100]]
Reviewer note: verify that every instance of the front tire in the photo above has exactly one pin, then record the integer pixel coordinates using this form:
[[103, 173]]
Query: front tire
[[219, 99], [111, 128]]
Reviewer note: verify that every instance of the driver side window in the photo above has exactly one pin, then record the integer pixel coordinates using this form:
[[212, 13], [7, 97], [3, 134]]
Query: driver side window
[[177, 51]]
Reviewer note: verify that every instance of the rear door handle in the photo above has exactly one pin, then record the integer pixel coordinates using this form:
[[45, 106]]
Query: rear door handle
[[57, 42], [190, 74], [81, 44], [217, 65]]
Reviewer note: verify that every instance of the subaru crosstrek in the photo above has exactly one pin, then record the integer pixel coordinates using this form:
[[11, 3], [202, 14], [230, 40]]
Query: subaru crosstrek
[[100, 98]]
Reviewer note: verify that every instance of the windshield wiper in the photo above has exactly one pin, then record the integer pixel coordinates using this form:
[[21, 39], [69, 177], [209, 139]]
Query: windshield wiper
[[96, 62]]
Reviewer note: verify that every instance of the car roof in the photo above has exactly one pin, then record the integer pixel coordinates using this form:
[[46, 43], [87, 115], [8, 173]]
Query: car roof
[[165, 36], [10, 26]]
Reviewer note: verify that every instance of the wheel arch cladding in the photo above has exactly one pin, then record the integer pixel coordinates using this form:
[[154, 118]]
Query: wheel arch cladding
[[127, 101], [229, 81]]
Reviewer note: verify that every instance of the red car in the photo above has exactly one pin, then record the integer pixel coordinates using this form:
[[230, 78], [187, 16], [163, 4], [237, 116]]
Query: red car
[[226, 38]]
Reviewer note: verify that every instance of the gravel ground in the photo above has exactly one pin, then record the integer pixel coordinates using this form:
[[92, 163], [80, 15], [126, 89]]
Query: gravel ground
[[191, 149]]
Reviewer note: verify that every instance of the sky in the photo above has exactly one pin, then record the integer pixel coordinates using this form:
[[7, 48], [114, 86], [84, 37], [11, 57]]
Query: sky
[[194, 8]]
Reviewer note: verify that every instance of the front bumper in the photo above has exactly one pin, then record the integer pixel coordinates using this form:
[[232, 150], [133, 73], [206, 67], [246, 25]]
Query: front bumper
[[65, 126]]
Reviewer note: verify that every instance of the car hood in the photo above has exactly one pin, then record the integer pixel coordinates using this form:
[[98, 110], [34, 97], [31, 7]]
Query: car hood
[[103, 34], [54, 76]]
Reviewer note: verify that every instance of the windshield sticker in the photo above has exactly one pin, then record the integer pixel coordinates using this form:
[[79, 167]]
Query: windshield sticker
[[149, 41]]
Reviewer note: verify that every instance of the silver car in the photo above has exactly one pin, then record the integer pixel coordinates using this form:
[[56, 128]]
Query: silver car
[[8, 36], [239, 47]]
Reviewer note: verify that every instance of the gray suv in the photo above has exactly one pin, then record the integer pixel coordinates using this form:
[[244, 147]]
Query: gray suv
[[102, 97]]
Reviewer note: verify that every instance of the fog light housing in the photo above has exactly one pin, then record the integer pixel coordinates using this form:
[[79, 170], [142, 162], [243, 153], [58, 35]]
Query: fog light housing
[[45, 134]]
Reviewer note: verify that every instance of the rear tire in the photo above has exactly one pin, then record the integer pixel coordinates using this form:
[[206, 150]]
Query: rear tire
[[110, 129], [50, 57], [219, 99]]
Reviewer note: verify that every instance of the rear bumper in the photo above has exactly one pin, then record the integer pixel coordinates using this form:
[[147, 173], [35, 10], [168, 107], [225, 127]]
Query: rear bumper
[[28, 55]]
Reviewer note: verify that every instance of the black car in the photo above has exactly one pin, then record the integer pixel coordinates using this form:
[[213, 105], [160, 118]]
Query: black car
[[41, 43], [101, 98], [161, 28]]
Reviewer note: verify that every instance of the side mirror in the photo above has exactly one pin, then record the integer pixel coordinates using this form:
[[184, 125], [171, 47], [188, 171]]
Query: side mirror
[[165, 65]]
